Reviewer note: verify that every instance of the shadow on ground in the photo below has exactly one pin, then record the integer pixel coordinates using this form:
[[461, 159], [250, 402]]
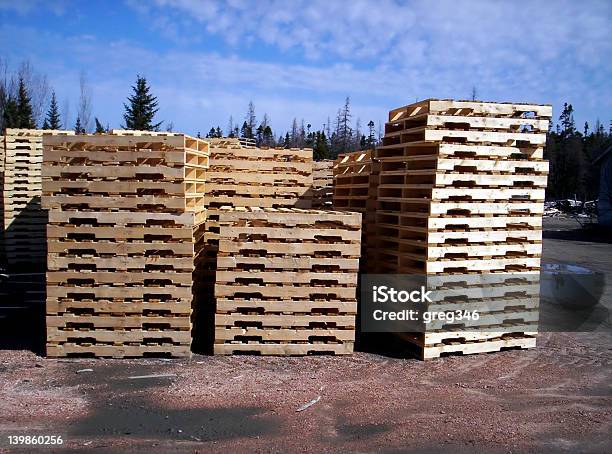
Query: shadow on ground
[[122, 406]]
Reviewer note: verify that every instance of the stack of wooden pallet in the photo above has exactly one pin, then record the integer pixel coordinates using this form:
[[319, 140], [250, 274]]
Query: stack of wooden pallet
[[355, 189], [242, 175], [24, 221], [126, 217], [258, 177], [322, 184], [286, 281], [461, 191]]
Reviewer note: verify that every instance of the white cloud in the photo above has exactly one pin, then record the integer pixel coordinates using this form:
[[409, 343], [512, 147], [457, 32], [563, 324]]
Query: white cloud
[[382, 54]]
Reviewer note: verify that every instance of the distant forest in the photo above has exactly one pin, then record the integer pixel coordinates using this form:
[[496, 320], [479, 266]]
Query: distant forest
[[28, 101]]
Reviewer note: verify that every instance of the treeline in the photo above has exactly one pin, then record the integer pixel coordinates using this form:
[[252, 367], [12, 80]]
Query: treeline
[[28, 101], [339, 136], [574, 170]]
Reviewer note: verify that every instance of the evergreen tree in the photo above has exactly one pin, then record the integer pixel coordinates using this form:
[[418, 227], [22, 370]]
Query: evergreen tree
[[371, 140], [142, 108], [268, 136], [287, 141], [24, 107], [245, 131], [11, 113], [52, 119], [99, 128], [320, 147], [218, 133], [211, 133], [78, 128]]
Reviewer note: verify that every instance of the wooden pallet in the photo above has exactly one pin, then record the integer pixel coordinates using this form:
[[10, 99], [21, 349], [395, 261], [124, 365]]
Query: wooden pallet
[[472, 108], [69, 349], [461, 346], [286, 281]]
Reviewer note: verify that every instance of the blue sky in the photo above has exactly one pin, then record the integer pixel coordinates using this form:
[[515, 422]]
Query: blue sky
[[206, 60]]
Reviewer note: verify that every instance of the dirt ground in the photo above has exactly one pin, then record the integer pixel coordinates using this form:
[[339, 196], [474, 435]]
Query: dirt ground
[[557, 397]]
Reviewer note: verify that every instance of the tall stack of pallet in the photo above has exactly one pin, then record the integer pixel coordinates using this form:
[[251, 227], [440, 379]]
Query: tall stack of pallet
[[322, 184], [355, 189], [286, 281], [126, 217], [24, 221], [242, 175], [461, 191]]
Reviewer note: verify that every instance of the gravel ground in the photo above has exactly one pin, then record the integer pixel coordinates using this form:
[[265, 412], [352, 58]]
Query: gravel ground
[[557, 397]]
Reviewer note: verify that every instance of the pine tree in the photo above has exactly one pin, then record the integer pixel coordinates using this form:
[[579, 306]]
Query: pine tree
[[99, 128], [24, 107], [245, 131], [52, 120], [268, 136], [320, 147], [287, 141], [78, 128], [11, 113], [142, 108], [371, 141], [211, 133]]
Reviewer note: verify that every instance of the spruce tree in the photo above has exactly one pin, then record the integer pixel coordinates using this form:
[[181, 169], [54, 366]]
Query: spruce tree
[[78, 128], [246, 131], [24, 107], [11, 117], [99, 128], [268, 136], [141, 108], [52, 120]]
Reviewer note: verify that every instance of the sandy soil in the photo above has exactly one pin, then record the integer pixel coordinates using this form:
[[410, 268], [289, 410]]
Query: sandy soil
[[557, 397]]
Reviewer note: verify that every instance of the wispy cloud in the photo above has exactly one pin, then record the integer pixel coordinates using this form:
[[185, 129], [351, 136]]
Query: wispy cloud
[[301, 58]]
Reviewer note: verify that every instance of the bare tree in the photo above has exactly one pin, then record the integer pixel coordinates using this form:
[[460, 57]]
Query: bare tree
[[38, 89], [85, 106], [251, 119], [66, 113], [294, 133], [357, 138], [474, 92]]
